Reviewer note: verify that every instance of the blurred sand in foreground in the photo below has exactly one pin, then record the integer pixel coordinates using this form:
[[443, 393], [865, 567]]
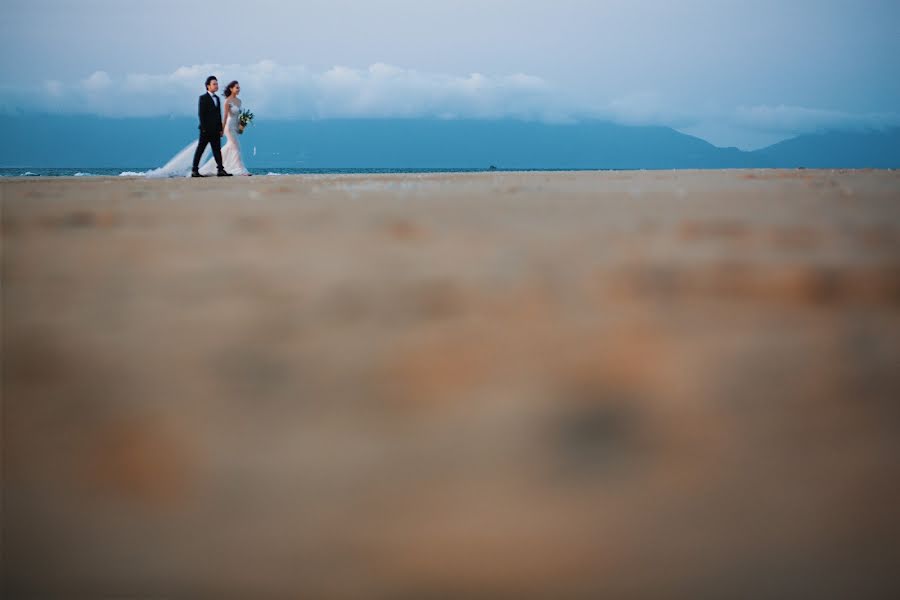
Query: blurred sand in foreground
[[497, 385]]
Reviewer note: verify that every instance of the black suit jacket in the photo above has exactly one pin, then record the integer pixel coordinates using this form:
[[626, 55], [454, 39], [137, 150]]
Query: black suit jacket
[[210, 116]]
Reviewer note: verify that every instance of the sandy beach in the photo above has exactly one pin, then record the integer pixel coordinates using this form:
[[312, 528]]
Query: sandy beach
[[515, 385]]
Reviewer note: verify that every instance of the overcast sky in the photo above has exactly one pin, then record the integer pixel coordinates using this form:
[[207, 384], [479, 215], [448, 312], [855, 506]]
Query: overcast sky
[[744, 73]]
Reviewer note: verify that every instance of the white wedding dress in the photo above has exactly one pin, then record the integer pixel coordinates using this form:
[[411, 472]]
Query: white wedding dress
[[180, 164], [231, 151]]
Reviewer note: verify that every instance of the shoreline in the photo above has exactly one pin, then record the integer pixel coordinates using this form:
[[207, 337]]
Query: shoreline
[[374, 172]]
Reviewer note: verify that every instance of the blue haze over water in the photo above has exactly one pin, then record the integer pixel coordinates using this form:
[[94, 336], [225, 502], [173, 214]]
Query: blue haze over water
[[53, 145]]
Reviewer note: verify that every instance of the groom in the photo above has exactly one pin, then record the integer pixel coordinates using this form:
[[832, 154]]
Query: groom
[[210, 128]]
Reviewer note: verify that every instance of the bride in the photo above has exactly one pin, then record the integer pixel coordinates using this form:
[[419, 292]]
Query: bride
[[180, 164], [231, 151]]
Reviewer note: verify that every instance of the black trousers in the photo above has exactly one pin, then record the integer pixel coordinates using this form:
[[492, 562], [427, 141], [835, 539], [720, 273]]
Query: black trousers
[[215, 142]]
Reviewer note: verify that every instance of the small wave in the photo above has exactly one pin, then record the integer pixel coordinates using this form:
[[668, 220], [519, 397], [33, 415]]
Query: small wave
[[80, 174], [132, 173], [29, 174], [273, 174], [160, 174]]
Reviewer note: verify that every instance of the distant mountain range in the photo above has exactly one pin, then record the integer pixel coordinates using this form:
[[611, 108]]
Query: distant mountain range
[[85, 141], [877, 149]]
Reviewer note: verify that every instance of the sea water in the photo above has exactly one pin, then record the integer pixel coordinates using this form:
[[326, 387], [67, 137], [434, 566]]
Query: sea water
[[140, 171]]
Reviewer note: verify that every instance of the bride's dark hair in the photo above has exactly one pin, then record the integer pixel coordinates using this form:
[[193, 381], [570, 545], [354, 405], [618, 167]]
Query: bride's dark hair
[[229, 87]]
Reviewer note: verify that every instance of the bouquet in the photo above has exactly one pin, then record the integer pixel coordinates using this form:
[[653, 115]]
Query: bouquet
[[245, 118]]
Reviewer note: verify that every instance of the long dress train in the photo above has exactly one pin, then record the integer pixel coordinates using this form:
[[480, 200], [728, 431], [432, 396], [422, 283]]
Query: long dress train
[[180, 164]]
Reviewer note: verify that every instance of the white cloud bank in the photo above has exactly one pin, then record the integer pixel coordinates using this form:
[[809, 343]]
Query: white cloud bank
[[279, 91], [276, 91]]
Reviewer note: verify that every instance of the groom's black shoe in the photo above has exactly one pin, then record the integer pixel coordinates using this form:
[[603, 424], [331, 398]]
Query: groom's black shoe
[[196, 174], [222, 173]]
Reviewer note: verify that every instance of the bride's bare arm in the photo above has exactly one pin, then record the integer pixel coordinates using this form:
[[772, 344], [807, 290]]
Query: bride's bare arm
[[225, 120]]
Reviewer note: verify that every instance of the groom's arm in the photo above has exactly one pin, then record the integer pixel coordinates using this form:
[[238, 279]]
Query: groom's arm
[[200, 110]]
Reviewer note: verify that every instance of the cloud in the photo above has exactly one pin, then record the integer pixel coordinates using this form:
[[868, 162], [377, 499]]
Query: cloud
[[644, 108], [98, 81], [54, 87], [763, 121], [275, 91], [754, 127], [798, 119], [286, 91]]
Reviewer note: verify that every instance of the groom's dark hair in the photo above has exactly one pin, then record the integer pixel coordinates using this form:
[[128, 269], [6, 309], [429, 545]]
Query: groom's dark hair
[[210, 78]]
